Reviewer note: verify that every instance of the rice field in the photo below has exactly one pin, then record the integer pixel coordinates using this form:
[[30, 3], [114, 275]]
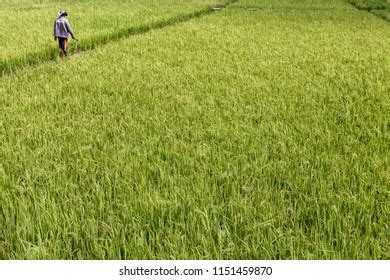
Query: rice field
[[260, 131]]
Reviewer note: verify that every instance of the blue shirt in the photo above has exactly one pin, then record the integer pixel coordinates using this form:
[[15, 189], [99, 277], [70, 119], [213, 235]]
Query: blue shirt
[[62, 28]]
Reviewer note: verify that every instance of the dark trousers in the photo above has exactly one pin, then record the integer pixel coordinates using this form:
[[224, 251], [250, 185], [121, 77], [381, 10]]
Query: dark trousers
[[63, 45]]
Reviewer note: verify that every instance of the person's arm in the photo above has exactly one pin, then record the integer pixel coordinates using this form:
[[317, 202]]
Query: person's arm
[[54, 31], [69, 29]]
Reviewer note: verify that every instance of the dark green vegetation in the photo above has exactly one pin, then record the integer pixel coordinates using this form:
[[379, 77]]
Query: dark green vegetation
[[245, 134], [380, 8]]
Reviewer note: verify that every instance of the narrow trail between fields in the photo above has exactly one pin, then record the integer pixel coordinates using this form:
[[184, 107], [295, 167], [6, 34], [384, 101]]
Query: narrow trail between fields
[[9, 67]]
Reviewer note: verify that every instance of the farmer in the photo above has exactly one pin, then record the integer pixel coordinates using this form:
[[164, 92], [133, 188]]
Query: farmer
[[62, 30]]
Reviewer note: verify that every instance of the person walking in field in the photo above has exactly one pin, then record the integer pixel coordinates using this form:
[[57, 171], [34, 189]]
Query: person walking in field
[[62, 30]]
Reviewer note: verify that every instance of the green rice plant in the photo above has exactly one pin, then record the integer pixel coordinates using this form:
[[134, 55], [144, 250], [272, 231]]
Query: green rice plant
[[240, 135]]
